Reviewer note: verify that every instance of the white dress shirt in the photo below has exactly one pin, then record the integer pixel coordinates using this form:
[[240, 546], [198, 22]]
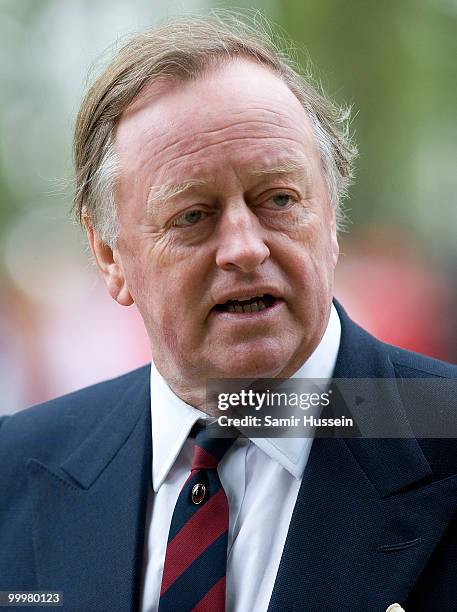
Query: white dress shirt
[[261, 478]]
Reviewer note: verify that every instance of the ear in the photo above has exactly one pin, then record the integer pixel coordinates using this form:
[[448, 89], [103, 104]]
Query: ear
[[110, 265]]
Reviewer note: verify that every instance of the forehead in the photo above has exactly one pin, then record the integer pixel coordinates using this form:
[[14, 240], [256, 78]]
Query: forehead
[[240, 112]]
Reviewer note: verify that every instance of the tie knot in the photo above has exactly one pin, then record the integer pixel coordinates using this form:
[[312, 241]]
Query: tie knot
[[208, 450]]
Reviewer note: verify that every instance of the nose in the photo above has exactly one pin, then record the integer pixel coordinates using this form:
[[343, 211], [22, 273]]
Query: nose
[[241, 244]]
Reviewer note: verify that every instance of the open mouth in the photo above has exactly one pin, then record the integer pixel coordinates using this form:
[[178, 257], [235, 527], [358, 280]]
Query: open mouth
[[254, 304]]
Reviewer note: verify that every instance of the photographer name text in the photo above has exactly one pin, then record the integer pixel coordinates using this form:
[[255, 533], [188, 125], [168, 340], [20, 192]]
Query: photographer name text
[[284, 422]]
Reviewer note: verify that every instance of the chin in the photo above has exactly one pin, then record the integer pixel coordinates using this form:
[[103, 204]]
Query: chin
[[255, 364]]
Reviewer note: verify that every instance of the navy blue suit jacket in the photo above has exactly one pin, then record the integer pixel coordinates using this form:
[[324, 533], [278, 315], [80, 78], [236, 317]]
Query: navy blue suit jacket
[[375, 520]]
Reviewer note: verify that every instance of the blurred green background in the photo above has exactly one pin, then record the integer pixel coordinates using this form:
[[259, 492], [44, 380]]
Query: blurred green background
[[395, 62]]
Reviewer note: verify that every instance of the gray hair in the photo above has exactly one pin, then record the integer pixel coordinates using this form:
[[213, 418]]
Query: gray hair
[[183, 49]]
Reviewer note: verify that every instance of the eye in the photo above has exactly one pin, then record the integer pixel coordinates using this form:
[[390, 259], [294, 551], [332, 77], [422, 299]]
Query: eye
[[281, 200], [190, 217]]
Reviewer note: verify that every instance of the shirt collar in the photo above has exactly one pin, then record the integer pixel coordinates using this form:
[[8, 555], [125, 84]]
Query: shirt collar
[[172, 419]]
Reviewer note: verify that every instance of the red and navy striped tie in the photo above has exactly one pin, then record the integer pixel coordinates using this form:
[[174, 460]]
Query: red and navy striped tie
[[196, 559]]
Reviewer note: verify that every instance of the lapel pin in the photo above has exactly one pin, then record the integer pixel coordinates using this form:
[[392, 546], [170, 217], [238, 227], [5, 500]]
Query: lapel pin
[[395, 607]]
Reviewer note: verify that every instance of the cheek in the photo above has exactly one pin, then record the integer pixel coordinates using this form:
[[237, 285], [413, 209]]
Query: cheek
[[309, 252], [170, 299], [167, 253], [323, 248], [308, 264]]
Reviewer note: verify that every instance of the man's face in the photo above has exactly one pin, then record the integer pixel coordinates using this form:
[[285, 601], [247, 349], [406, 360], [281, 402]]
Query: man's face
[[227, 242]]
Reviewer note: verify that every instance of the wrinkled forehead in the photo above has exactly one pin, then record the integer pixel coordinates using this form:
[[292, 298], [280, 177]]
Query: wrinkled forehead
[[241, 114]]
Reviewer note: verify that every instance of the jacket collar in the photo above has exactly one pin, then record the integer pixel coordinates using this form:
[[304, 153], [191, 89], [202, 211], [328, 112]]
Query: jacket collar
[[362, 356], [85, 464]]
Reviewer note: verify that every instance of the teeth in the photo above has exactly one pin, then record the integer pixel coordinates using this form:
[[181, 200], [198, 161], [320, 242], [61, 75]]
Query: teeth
[[257, 305], [254, 307]]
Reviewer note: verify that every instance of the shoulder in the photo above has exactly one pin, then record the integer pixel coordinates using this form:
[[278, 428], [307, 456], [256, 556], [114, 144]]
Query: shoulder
[[408, 364], [66, 420]]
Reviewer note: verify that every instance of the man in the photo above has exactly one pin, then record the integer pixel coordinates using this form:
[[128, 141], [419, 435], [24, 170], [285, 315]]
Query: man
[[209, 175]]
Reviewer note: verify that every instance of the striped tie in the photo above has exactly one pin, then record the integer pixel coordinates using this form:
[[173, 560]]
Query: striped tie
[[196, 559]]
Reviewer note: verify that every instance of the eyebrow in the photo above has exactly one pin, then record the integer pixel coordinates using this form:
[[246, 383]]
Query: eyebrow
[[163, 193], [289, 166]]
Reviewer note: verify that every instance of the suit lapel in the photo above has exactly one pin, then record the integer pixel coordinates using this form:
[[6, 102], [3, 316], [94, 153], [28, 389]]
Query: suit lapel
[[89, 513], [368, 513]]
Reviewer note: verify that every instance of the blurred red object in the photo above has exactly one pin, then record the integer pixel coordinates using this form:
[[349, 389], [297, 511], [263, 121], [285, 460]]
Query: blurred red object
[[387, 286]]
